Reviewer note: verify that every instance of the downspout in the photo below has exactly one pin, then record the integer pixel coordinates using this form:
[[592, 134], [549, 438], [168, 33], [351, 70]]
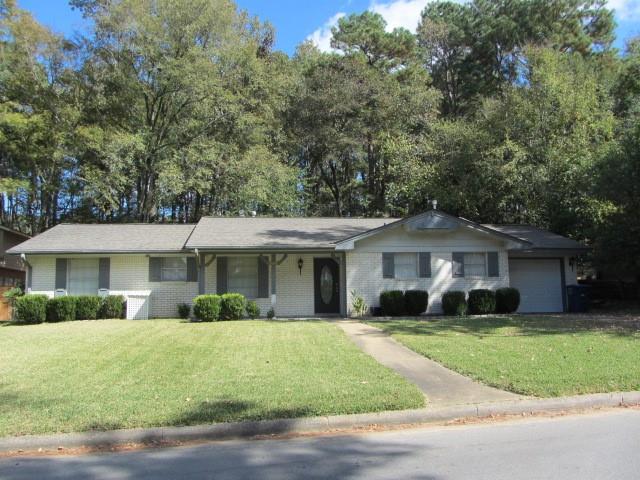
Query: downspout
[[29, 273]]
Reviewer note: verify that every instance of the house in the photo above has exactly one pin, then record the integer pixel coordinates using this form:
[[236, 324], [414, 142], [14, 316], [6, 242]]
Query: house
[[300, 266], [12, 269]]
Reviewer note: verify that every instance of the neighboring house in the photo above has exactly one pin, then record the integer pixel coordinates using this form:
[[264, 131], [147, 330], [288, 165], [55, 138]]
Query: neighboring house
[[301, 267], [12, 269]]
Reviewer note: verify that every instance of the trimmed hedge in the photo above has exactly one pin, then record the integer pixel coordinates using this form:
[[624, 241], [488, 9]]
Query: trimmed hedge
[[112, 306], [31, 309], [416, 301], [232, 306], [61, 309], [481, 301], [454, 303], [392, 303], [184, 310], [253, 310], [207, 307], [507, 300], [87, 307]]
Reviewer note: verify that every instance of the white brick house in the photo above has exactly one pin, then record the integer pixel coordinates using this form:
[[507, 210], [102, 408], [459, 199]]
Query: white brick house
[[300, 267]]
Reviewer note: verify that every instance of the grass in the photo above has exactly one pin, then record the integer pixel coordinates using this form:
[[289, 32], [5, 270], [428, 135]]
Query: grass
[[540, 356], [108, 374]]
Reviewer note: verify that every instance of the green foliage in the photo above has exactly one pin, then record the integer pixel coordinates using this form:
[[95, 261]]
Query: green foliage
[[358, 305], [392, 303], [31, 308], [87, 307], [253, 310], [271, 314], [507, 300], [184, 310], [112, 306], [416, 301], [454, 302], [207, 307], [481, 301], [232, 306], [61, 309]]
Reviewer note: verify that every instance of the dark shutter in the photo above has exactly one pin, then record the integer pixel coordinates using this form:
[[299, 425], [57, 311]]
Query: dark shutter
[[192, 269], [494, 265], [61, 273], [457, 260], [155, 269], [104, 272], [425, 264], [263, 278], [388, 267], [221, 275], [29, 277]]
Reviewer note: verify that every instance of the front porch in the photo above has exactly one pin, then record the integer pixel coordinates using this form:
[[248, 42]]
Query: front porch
[[293, 283]]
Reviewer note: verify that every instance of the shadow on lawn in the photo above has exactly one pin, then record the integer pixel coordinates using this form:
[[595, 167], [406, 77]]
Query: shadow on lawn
[[509, 326]]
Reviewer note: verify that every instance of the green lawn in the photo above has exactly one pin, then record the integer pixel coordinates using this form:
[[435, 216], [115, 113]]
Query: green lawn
[[541, 356], [109, 374]]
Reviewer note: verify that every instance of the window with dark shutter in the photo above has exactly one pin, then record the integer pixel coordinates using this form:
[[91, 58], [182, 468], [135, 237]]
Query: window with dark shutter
[[61, 274], [192, 269], [155, 269], [493, 267], [388, 266], [221, 275], [424, 266], [263, 278], [104, 273]]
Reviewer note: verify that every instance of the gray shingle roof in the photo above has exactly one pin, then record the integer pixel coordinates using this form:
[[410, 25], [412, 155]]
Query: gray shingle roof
[[111, 238], [265, 232], [540, 239]]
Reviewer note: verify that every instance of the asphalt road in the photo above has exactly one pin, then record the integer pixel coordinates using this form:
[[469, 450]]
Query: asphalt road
[[596, 446]]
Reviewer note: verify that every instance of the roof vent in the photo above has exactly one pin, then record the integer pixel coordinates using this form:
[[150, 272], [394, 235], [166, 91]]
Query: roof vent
[[434, 203]]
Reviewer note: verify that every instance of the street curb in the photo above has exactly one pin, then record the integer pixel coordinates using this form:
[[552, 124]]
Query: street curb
[[226, 431]]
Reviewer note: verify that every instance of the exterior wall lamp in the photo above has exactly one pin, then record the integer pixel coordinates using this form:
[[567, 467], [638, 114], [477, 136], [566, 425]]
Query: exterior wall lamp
[[300, 264]]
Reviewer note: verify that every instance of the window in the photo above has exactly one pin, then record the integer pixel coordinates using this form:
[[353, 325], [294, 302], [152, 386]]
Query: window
[[469, 264], [405, 265], [82, 276], [242, 276], [174, 269]]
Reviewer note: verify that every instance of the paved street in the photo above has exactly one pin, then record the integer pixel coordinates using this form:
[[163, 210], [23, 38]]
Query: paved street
[[595, 446]]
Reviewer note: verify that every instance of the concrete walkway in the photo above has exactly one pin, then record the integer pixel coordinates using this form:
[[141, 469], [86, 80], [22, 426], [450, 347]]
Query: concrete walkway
[[441, 385]]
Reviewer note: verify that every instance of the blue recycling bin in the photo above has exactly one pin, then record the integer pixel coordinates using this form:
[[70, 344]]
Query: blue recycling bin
[[578, 298]]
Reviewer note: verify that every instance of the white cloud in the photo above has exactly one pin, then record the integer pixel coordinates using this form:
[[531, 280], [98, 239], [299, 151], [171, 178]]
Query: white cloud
[[625, 10], [321, 38], [400, 13]]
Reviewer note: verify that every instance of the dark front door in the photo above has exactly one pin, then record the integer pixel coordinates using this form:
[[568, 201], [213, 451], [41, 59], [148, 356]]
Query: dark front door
[[326, 279]]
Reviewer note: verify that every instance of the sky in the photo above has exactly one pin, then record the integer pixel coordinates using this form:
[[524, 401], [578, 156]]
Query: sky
[[298, 20]]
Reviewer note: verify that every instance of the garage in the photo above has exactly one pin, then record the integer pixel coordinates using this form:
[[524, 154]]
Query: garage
[[540, 283]]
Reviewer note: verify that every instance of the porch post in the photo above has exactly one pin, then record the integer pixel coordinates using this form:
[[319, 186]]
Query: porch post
[[273, 264], [201, 274]]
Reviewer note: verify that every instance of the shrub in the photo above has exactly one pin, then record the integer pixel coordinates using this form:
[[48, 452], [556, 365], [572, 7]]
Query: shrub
[[271, 314], [454, 303], [112, 306], [232, 306], [358, 306], [184, 310], [61, 309], [31, 309], [207, 307], [253, 310], [87, 307], [392, 303], [482, 301], [507, 300], [416, 301]]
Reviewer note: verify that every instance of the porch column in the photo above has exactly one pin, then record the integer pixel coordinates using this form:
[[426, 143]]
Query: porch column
[[201, 274], [273, 280]]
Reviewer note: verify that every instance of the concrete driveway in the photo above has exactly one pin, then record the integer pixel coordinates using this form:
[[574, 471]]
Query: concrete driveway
[[441, 385]]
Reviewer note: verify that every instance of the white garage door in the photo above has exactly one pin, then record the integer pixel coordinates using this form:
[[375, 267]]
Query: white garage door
[[539, 282]]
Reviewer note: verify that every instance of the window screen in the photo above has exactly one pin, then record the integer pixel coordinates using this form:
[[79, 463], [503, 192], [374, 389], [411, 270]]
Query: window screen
[[242, 276]]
